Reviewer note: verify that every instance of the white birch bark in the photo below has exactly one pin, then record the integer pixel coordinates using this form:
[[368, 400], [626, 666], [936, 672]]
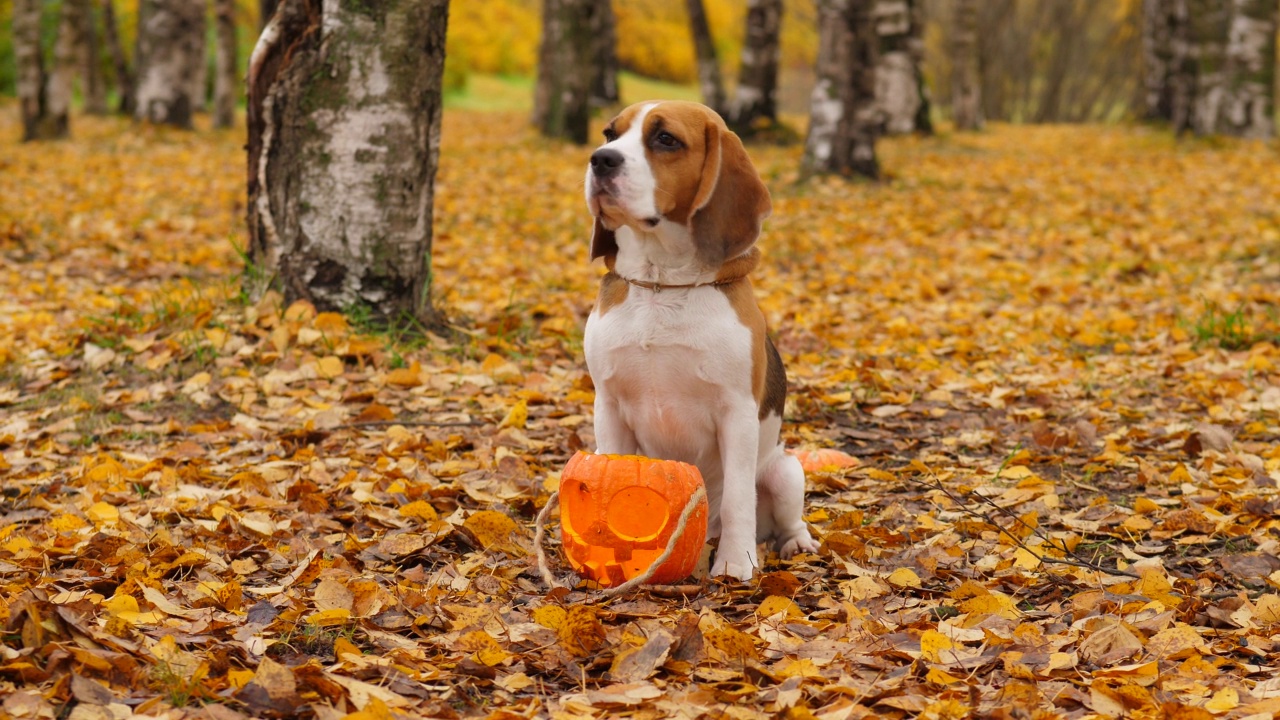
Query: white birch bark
[[168, 58], [1208, 21], [844, 118], [1248, 97], [710, 81], [900, 88], [65, 64], [344, 138], [754, 100]]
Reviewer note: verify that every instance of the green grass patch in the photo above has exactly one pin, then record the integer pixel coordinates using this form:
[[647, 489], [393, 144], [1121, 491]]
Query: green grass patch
[[635, 88], [1233, 329], [492, 93]]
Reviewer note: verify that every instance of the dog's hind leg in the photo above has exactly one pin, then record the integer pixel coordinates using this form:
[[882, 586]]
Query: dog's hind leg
[[780, 488]]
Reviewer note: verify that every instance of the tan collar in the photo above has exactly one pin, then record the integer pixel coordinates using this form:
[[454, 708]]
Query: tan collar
[[731, 272]]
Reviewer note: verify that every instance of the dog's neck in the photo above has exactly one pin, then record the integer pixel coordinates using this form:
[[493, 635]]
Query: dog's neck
[[667, 257]]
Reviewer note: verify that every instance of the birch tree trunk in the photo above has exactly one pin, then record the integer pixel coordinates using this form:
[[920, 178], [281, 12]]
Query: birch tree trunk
[[1248, 102], [704, 51], [200, 72], [966, 76], [1208, 23], [30, 70], [561, 102], [900, 86], [754, 101], [169, 40], [844, 118], [65, 62], [124, 79], [95, 90], [226, 80], [1163, 31], [344, 137], [604, 84]]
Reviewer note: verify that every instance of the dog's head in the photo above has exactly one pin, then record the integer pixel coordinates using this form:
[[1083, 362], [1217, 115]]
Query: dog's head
[[675, 162]]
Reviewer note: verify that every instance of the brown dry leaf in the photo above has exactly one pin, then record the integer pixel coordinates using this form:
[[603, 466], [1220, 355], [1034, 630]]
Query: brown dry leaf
[[406, 377], [273, 689], [495, 531], [640, 663], [1110, 643], [581, 632]]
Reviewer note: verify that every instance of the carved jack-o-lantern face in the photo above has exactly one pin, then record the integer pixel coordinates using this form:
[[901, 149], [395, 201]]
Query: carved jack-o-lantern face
[[617, 513]]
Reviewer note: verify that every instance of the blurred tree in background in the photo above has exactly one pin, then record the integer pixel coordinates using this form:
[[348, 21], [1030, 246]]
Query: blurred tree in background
[[1206, 66]]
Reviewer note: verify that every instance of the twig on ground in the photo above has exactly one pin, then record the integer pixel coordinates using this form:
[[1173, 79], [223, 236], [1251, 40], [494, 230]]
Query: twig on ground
[[407, 423], [1072, 559]]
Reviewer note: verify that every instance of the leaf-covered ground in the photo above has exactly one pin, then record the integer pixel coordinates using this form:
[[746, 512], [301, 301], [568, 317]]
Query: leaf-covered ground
[[1052, 350]]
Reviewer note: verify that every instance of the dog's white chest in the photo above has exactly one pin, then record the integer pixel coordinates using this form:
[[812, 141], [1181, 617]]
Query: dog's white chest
[[671, 361]]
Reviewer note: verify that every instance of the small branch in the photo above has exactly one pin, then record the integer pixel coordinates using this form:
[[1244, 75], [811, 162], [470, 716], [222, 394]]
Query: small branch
[[1072, 560], [406, 423]]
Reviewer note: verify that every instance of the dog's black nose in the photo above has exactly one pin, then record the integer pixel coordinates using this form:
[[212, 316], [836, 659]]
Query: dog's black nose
[[606, 162]]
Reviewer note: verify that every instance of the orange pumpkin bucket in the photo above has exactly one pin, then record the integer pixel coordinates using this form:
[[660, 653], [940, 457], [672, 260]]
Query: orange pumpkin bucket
[[618, 513]]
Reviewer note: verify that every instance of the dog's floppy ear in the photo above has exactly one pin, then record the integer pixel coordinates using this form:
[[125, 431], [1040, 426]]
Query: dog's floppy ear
[[603, 241], [731, 200]]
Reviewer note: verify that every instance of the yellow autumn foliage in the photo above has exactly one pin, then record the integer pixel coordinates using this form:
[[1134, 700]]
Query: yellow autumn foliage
[[502, 36]]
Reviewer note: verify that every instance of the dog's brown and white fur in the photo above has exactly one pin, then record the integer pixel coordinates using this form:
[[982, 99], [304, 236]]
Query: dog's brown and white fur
[[676, 345]]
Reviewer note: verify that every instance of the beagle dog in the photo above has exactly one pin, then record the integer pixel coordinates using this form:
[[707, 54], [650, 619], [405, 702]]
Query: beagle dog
[[676, 345]]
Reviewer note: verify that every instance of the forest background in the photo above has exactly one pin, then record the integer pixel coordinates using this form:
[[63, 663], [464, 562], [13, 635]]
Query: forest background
[[1026, 41]]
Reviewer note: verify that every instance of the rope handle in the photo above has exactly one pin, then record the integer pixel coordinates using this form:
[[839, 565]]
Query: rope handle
[[540, 530]]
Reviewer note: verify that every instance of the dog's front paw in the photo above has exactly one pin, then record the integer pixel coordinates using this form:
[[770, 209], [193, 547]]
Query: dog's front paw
[[800, 542], [737, 563]]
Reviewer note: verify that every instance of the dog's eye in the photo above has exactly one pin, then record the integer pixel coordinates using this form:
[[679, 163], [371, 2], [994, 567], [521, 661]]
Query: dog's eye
[[666, 141], [610, 135]]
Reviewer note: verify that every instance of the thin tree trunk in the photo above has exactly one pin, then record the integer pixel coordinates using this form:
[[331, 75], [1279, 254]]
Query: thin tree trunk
[[95, 91], [1163, 26], [1247, 108], [169, 39], [341, 168], [604, 85], [226, 81], [124, 80], [200, 72], [900, 87], [915, 47], [844, 118], [65, 57], [1067, 22], [704, 49], [754, 102], [1209, 22], [30, 70], [561, 105], [998, 77], [966, 85]]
